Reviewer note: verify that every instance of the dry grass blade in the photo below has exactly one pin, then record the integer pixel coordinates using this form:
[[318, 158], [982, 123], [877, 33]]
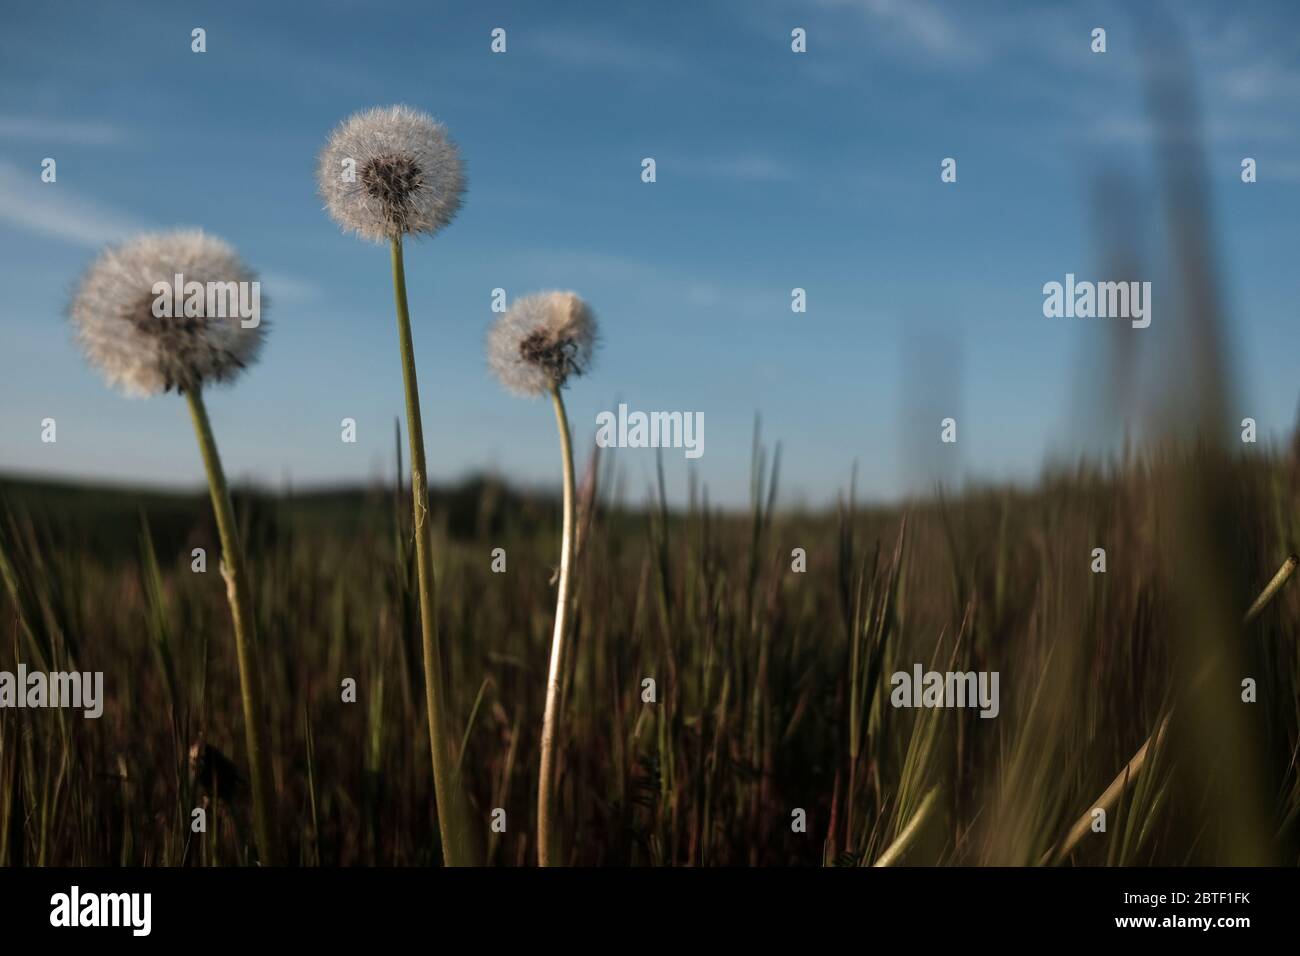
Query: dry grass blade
[[896, 850], [1110, 796]]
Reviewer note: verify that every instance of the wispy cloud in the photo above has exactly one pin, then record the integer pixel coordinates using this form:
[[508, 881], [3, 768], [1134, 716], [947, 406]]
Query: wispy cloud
[[750, 168], [736, 300], [586, 264], [44, 129], [1138, 130], [919, 23], [55, 211], [1262, 81], [658, 283], [583, 48], [287, 289]]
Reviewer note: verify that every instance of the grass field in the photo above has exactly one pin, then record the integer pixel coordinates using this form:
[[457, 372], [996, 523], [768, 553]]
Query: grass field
[[772, 686]]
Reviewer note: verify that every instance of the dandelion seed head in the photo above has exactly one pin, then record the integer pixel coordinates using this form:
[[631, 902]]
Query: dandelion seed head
[[142, 353], [391, 171], [542, 341]]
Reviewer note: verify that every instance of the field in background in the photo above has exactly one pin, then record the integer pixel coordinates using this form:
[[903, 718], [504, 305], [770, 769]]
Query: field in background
[[772, 685]]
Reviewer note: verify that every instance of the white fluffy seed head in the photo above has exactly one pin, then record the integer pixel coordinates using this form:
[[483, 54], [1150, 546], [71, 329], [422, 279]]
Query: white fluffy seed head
[[541, 341], [391, 171], [113, 312]]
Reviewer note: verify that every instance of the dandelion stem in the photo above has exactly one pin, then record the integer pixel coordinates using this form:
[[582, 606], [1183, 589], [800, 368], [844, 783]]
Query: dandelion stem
[[458, 846], [545, 780], [241, 611]]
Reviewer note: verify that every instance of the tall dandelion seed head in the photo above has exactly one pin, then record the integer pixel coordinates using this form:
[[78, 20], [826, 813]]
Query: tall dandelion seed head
[[541, 341], [391, 171], [142, 353]]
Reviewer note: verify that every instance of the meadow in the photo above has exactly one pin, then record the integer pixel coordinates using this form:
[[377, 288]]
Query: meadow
[[770, 685]]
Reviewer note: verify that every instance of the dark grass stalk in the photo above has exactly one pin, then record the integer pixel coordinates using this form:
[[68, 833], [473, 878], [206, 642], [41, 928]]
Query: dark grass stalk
[[458, 845], [165, 656], [241, 612], [310, 744], [11, 833]]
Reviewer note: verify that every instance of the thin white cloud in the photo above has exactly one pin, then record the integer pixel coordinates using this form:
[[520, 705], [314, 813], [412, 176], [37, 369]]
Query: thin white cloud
[[750, 168], [581, 48], [656, 282], [1139, 130], [918, 22], [42, 129], [737, 301], [587, 263], [288, 289], [1261, 81], [56, 211]]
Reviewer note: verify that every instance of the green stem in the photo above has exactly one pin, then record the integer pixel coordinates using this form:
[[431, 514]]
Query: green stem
[[458, 847], [545, 781], [241, 611], [903, 842]]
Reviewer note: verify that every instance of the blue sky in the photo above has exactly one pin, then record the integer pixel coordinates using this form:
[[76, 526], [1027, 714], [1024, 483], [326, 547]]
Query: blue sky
[[775, 171]]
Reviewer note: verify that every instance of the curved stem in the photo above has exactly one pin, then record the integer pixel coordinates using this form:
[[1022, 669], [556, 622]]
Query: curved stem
[[907, 837], [545, 779], [458, 846], [241, 611]]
